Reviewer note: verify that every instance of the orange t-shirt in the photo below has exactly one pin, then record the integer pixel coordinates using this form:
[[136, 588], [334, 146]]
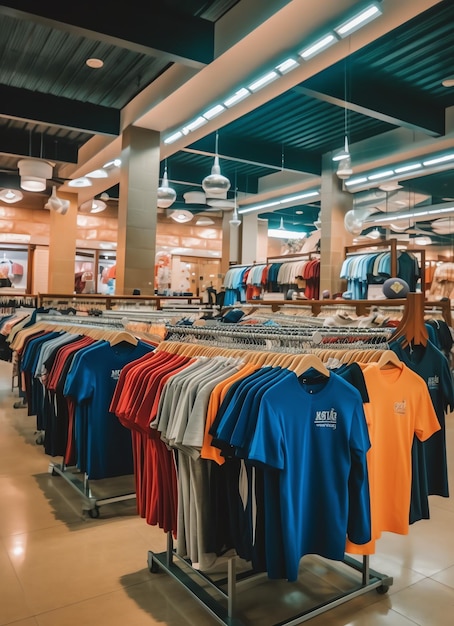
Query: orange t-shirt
[[216, 397], [399, 408]]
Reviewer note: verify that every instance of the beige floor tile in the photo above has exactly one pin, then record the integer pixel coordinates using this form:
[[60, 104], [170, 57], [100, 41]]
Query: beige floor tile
[[157, 601], [427, 603], [446, 577], [31, 621], [60, 566], [13, 603]]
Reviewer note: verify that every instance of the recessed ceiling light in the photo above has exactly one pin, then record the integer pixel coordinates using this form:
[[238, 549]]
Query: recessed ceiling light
[[94, 63], [448, 82]]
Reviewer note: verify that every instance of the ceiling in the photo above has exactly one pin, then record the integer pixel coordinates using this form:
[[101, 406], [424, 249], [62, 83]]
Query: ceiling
[[165, 63]]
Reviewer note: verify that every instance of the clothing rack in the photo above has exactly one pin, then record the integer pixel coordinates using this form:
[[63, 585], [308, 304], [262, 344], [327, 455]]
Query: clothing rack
[[287, 338], [79, 481], [220, 600]]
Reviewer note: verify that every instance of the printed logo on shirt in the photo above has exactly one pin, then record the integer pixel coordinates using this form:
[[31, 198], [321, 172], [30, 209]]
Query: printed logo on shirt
[[115, 374], [433, 382], [400, 407], [326, 419]]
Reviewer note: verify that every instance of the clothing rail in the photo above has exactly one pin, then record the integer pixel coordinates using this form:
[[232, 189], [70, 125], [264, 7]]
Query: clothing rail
[[361, 307], [219, 596]]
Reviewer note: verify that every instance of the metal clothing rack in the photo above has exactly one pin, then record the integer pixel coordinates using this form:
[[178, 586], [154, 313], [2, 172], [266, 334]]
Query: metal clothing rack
[[72, 476], [221, 603], [80, 482], [219, 597]]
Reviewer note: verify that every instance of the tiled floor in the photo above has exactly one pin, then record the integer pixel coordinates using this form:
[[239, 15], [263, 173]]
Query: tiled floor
[[61, 568]]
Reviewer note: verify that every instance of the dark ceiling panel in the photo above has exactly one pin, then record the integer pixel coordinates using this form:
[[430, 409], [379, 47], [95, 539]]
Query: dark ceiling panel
[[148, 28]]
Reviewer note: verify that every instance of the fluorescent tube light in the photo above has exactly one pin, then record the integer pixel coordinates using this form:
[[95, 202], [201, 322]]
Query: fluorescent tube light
[[356, 181], [381, 175], [408, 168], [263, 80], [287, 66], [213, 112], [199, 121], [172, 138], [318, 46], [286, 234], [239, 95], [266, 205], [358, 21], [442, 159]]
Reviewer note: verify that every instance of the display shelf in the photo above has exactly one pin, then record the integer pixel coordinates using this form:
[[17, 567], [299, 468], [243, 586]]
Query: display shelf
[[85, 302]]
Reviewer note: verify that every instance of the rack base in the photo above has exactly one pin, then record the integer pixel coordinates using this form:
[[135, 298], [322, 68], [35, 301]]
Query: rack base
[[224, 613], [91, 503]]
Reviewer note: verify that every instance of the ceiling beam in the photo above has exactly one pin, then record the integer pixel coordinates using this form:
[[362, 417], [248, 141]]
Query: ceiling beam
[[147, 28], [263, 154], [56, 111], [24, 143], [377, 97]]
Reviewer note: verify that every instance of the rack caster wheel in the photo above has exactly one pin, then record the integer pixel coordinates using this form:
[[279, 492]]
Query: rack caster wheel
[[94, 513], [382, 589]]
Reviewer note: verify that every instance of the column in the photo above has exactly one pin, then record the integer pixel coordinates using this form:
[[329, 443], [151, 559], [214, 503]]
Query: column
[[255, 240], [137, 211], [62, 247], [334, 237]]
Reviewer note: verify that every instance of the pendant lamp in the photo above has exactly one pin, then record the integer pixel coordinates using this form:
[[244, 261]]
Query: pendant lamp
[[57, 204], [215, 184], [11, 195], [166, 195], [234, 220], [34, 174]]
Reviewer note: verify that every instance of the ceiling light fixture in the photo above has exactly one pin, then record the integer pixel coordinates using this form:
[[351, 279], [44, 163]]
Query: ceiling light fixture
[[215, 184], [424, 240], [166, 194], [204, 221], [10, 195], [94, 63], [181, 216], [56, 204], [239, 95], [235, 220], [93, 206], [285, 200], [322, 44], [34, 174], [113, 163], [359, 20], [100, 173], [264, 80], [448, 82], [83, 181], [214, 111], [344, 169], [287, 66]]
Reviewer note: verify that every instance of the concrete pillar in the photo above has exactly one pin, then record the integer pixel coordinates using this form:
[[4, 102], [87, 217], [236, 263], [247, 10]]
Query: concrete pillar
[[254, 245], [62, 247], [334, 204], [137, 211]]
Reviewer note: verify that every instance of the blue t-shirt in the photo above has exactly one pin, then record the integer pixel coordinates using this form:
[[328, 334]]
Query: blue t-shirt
[[91, 381], [316, 440]]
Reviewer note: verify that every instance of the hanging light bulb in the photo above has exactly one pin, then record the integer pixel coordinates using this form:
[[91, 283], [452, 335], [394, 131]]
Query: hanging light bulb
[[166, 195], [56, 204], [234, 220], [344, 169], [215, 184], [344, 153], [281, 225]]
